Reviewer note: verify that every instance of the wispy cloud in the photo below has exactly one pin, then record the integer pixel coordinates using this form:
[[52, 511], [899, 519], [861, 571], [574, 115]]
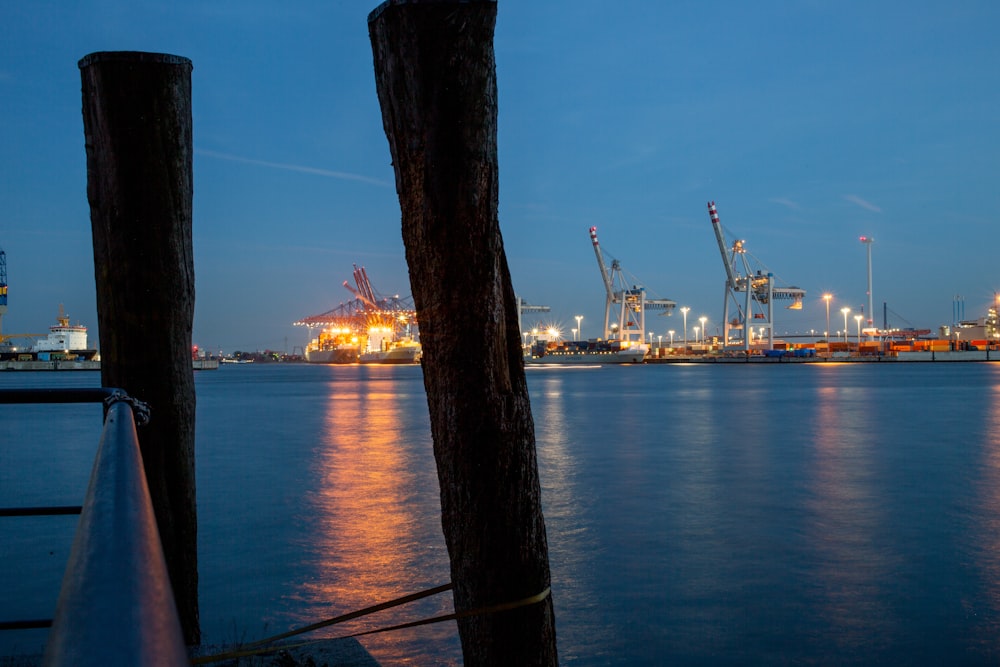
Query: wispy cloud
[[854, 199], [788, 203], [293, 167]]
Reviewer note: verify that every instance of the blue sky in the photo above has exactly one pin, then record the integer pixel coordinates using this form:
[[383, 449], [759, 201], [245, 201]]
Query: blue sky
[[809, 123]]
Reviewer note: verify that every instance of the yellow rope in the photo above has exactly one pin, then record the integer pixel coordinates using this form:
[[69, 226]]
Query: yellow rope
[[261, 647]]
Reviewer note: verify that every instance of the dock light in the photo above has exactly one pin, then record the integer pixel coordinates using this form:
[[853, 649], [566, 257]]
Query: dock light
[[858, 318], [826, 334], [684, 311], [695, 334], [579, 318], [671, 332], [845, 311], [702, 319]]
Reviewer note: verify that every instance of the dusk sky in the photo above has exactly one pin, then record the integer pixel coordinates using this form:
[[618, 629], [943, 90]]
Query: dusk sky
[[809, 123]]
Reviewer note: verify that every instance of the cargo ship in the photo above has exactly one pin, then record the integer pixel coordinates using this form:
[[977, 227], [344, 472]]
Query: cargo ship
[[378, 346], [586, 352], [384, 348], [334, 346], [65, 342]]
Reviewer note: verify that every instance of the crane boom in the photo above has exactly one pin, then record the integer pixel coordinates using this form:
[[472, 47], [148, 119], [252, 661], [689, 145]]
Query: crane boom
[[600, 263], [365, 285], [720, 237], [360, 296]]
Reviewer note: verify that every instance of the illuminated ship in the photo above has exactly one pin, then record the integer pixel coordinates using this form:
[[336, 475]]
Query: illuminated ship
[[369, 329], [586, 352]]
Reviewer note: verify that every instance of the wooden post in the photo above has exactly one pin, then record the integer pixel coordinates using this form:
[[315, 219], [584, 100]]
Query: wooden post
[[137, 127], [436, 80]]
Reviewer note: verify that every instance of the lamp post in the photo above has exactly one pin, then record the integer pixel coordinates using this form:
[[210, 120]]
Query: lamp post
[[574, 333], [579, 318], [826, 334], [650, 337], [659, 340], [858, 318], [845, 311], [671, 332], [684, 312], [702, 319]]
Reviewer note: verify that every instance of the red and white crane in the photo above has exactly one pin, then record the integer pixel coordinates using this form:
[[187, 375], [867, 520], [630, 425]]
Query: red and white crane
[[627, 322], [756, 285]]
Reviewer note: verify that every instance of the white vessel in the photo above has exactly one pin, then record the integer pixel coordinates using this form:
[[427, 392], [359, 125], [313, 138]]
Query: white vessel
[[64, 340]]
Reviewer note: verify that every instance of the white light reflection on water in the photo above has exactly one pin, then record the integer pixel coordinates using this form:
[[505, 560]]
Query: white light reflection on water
[[983, 615], [565, 505], [844, 558]]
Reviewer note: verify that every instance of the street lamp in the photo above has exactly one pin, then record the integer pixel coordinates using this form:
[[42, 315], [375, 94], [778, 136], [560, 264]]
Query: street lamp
[[827, 297], [659, 340], [695, 334], [579, 318], [858, 318], [845, 311], [650, 337], [702, 319], [684, 312], [671, 332], [574, 333]]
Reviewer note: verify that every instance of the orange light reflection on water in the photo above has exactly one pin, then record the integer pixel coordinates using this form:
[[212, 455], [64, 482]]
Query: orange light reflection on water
[[376, 533]]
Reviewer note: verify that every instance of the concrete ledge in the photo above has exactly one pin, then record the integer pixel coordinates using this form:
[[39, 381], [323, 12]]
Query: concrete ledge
[[50, 365], [347, 652]]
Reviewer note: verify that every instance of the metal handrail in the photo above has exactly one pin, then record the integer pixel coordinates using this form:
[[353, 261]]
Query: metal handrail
[[116, 605]]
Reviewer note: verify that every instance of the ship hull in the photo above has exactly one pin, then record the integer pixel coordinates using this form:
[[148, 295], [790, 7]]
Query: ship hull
[[397, 355], [342, 355], [585, 352], [588, 357]]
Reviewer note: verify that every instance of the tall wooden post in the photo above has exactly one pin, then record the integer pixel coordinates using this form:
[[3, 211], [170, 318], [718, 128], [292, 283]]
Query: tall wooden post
[[436, 80], [137, 127]]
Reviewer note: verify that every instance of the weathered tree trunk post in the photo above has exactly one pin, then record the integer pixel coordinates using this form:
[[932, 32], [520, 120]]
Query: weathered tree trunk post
[[137, 127], [436, 79]]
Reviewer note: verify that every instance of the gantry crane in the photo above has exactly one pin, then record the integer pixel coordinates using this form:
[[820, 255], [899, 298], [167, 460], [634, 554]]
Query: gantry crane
[[755, 284], [525, 307], [5, 339], [629, 323], [367, 310]]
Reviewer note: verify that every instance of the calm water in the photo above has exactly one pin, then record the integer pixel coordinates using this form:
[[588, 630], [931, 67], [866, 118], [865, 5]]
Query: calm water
[[697, 514]]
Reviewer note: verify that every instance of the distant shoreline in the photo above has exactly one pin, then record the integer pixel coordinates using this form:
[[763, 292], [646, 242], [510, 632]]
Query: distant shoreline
[[63, 365]]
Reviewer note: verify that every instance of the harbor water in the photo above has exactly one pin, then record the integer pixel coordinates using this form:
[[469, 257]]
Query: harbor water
[[723, 514]]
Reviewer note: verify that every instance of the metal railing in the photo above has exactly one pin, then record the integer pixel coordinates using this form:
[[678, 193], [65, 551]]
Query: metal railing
[[116, 606]]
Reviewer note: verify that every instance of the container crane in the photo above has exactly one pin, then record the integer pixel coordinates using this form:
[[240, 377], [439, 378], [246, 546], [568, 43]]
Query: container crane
[[5, 339], [756, 286], [629, 323], [365, 311], [525, 307]]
